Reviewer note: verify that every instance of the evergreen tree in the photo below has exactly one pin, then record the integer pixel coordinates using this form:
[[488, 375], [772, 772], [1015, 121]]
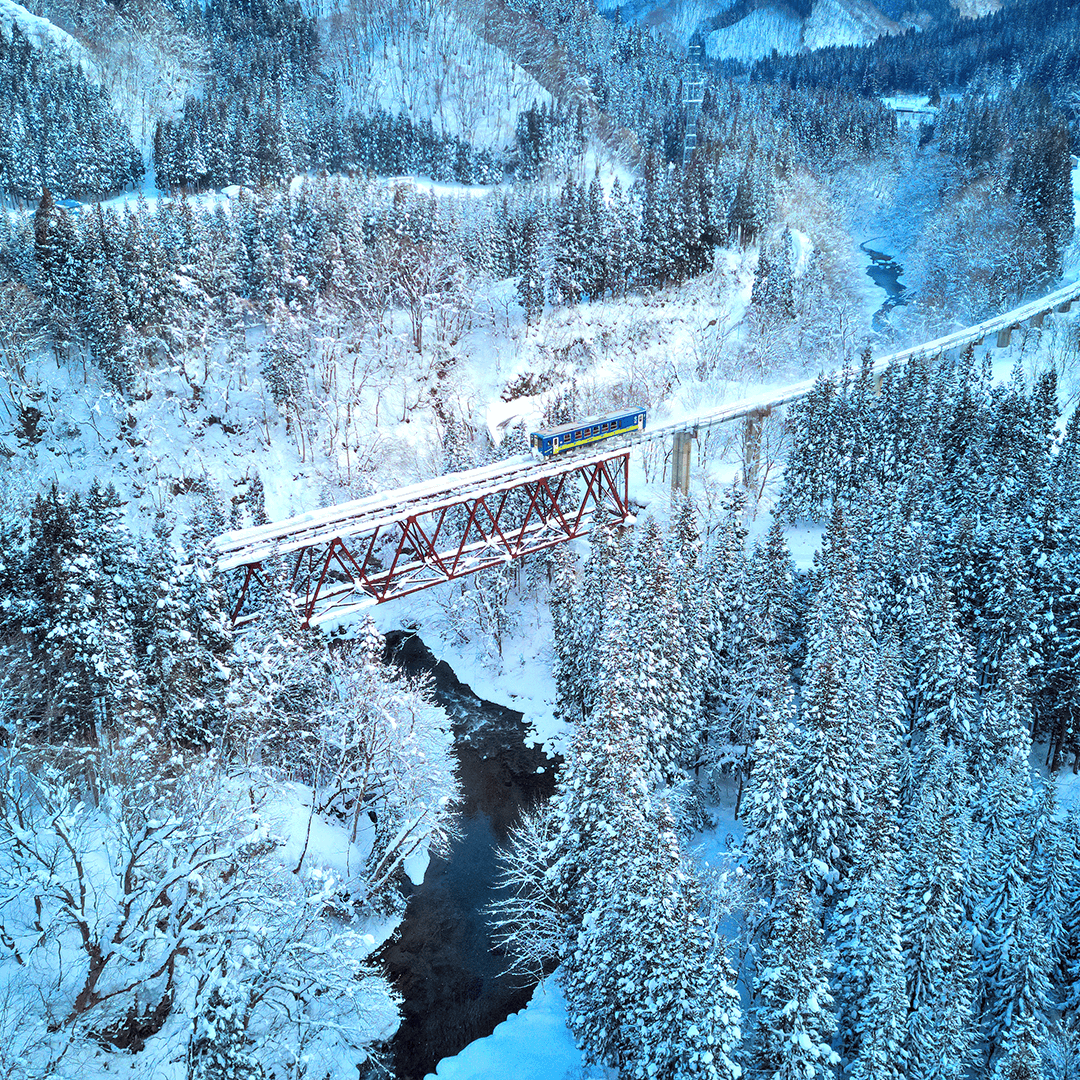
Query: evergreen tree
[[937, 947], [659, 699], [866, 926], [220, 1048], [793, 1021], [1068, 954], [769, 796], [530, 278]]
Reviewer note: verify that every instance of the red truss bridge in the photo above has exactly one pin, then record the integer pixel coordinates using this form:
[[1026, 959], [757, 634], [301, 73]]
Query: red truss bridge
[[348, 557]]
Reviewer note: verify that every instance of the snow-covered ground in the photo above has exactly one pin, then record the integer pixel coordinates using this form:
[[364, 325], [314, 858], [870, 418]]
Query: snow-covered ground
[[534, 1044]]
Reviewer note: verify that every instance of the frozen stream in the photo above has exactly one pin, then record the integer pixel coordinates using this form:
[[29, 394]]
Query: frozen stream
[[441, 959], [885, 272]]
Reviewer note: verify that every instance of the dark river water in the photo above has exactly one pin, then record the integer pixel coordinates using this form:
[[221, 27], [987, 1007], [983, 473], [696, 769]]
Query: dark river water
[[885, 272], [442, 959]]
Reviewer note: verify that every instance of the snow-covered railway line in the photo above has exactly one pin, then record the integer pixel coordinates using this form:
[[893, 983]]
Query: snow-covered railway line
[[349, 556], [1002, 325]]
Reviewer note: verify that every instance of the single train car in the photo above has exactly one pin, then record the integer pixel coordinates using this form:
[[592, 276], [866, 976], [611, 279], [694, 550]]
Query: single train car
[[556, 440]]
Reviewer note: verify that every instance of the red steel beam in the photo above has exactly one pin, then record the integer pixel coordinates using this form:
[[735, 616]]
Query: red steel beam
[[426, 551]]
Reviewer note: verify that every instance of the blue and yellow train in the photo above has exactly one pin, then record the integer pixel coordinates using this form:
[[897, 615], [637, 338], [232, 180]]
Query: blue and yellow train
[[556, 440]]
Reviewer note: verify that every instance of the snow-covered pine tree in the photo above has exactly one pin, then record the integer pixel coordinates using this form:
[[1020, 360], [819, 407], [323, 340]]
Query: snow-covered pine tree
[[771, 586], [603, 597], [871, 990], [184, 642], [220, 1048], [774, 286], [681, 1001], [768, 795], [1068, 957], [1002, 764], [659, 699], [792, 1018], [1052, 869], [945, 691], [878, 1021], [602, 802], [937, 945], [833, 774], [1007, 619], [530, 287], [694, 598], [729, 627], [1012, 949], [1022, 1003], [814, 458], [567, 658]]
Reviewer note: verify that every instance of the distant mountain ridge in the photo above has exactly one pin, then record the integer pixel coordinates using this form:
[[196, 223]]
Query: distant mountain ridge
[[749, 30]]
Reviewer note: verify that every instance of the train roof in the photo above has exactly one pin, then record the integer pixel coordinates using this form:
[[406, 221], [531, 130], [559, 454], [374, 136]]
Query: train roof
[[588, 421]]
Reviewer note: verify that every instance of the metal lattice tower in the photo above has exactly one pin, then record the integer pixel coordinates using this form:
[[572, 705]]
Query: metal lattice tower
[[694, 95]]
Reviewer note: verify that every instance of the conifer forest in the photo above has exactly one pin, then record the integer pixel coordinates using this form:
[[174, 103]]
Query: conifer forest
[[768, 768]]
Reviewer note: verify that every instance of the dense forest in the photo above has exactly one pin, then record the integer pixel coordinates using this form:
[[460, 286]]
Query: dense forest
[[907, 894], [321, 252], [1032, 42]]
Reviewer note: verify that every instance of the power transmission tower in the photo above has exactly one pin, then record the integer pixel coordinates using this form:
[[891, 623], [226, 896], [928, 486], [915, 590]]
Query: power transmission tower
[[693, 96]]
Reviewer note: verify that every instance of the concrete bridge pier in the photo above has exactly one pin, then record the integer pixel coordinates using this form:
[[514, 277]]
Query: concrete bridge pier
[[752, 449], [1037, 320], [1005, 336], [1066, 306], [680, 461]]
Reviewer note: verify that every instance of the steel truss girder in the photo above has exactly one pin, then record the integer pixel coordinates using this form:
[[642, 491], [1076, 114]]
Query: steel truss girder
[[450, 541]]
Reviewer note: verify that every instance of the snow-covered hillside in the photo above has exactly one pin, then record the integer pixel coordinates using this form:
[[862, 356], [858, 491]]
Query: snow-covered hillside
[[429, 61], [144, 59], [831, 22], [46, 36], [845, 22], [757, 35]]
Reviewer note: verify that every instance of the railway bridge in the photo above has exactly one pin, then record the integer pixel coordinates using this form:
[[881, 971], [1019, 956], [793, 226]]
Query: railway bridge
[[344, 558]]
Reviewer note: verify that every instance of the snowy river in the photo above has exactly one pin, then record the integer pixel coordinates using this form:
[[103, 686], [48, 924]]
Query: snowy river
[[885, 272], [442, 959]]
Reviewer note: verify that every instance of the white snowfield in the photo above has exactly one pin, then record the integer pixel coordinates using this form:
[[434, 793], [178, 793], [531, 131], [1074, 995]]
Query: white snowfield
[[45, 35], [247, 547]]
